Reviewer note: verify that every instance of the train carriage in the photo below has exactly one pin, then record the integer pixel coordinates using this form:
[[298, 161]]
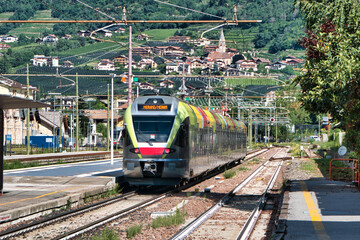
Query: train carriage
[[167, 141]]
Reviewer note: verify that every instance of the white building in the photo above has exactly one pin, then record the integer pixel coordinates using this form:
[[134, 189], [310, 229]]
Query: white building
[[8, 38], [51, 38], [106, 65], [42, 60]]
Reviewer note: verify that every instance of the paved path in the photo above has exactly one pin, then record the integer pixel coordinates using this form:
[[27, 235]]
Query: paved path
[[323, 209]]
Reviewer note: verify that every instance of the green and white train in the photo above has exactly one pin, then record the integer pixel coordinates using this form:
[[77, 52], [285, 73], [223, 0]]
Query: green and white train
[[167, 141]]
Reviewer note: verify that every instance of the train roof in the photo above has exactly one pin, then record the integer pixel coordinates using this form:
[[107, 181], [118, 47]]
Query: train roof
[[155, 105]]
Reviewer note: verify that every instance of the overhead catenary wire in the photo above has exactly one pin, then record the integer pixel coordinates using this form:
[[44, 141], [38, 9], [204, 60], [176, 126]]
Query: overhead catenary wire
[[189, 9], [97, 10]]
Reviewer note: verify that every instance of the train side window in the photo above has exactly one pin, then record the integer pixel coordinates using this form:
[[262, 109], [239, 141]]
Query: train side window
[[182, 138], [127, 139]]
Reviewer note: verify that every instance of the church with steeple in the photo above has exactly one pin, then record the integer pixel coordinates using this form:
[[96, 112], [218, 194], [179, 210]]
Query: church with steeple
[[221, 53]]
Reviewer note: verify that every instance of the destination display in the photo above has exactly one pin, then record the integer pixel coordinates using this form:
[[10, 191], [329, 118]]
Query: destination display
[[150, 107]]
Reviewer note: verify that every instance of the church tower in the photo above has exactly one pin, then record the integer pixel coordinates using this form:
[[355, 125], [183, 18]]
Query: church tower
[[222, 43]]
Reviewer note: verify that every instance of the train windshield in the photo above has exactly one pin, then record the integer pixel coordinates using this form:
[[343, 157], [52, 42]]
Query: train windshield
[[153, 129]]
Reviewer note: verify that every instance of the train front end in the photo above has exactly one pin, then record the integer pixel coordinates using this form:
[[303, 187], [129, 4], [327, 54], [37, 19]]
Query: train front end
[[154, 152]]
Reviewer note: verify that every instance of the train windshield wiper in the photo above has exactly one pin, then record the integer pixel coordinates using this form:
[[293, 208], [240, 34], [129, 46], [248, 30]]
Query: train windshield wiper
[[143, 137]]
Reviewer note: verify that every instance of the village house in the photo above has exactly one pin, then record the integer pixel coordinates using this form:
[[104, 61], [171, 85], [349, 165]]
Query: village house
[[67, 64], [4, 46], [167, 83], [141, 51], [105, 32], [166, 50], [121, 59], [147, 63], [105, 65], [67, 37], [44, 61], [96, 117], [210, 48], [246, 65], [294, 61], [199, 42], [178, 39], [8, 38], [172, 68], [51, 38], [142, 37], [120, 30], [146, 86], [197, 63], [276, 65], [83, 33], [261, 60]]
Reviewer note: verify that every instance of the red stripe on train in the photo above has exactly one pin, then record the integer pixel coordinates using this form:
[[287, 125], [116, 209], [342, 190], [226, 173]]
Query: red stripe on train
[[152, 151]]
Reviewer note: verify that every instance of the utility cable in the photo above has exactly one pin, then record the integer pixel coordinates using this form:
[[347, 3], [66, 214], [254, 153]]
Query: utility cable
[[96, 10], [189, 9]]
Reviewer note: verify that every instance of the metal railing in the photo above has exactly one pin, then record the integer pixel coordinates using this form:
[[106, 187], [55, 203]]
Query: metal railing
[[354, 167]]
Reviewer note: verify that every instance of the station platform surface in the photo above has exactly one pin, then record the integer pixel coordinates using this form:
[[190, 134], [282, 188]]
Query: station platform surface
[[24, 196], [41, 189], [321, 209]]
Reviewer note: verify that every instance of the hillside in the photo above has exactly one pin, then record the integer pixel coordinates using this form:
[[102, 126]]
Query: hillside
[[280, 29]]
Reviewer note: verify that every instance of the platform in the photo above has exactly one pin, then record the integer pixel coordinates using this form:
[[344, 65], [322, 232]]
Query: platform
[[24, 196], [321, 209], [41, 189]]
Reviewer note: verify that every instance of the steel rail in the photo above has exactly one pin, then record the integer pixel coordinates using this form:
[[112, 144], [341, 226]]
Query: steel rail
[[132, 21], [121, 213], [107, 219], [246, 231], [50, 220], [187, 230]]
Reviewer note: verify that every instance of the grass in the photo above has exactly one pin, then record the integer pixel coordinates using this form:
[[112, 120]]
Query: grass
[[107, 234], [98, 46], [160, 34], [176, 219], [309, 166], [33, 29], [16, 164], [133, 231], [229, 173], [6, 15], [250, 81], [242, 169]]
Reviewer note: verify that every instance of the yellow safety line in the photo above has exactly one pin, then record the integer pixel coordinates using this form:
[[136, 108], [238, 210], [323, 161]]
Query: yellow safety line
[[314, 213], [21, 200]]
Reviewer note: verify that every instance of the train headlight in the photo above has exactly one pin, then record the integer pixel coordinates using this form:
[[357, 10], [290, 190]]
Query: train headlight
[[135, 150], [169, 150]]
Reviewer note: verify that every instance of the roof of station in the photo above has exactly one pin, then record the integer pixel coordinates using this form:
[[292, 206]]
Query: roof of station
[[11, 102]]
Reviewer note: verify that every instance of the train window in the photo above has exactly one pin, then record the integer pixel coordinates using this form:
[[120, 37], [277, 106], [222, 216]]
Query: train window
[[153, 129]]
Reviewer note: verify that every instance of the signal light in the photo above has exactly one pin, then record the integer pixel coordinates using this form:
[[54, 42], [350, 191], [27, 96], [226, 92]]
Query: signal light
[[135, 150], [169, 150]]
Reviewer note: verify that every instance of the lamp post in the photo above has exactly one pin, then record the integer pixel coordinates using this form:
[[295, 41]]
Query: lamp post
[[112, 75], [53, 139]]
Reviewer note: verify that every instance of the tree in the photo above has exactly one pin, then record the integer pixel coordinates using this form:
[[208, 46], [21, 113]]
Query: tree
[[4, 65], [331, 83]]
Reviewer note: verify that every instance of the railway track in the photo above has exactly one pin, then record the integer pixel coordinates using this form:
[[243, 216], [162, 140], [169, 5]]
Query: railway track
[[133, 202], [36, 224], [232, 198]]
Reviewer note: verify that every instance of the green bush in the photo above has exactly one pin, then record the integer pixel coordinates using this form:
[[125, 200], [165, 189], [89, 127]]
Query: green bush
[[229, 173], [107, 234], [176, 219], [133, 231]]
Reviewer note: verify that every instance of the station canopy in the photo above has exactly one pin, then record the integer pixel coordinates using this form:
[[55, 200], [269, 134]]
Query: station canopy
[[11, 102]]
